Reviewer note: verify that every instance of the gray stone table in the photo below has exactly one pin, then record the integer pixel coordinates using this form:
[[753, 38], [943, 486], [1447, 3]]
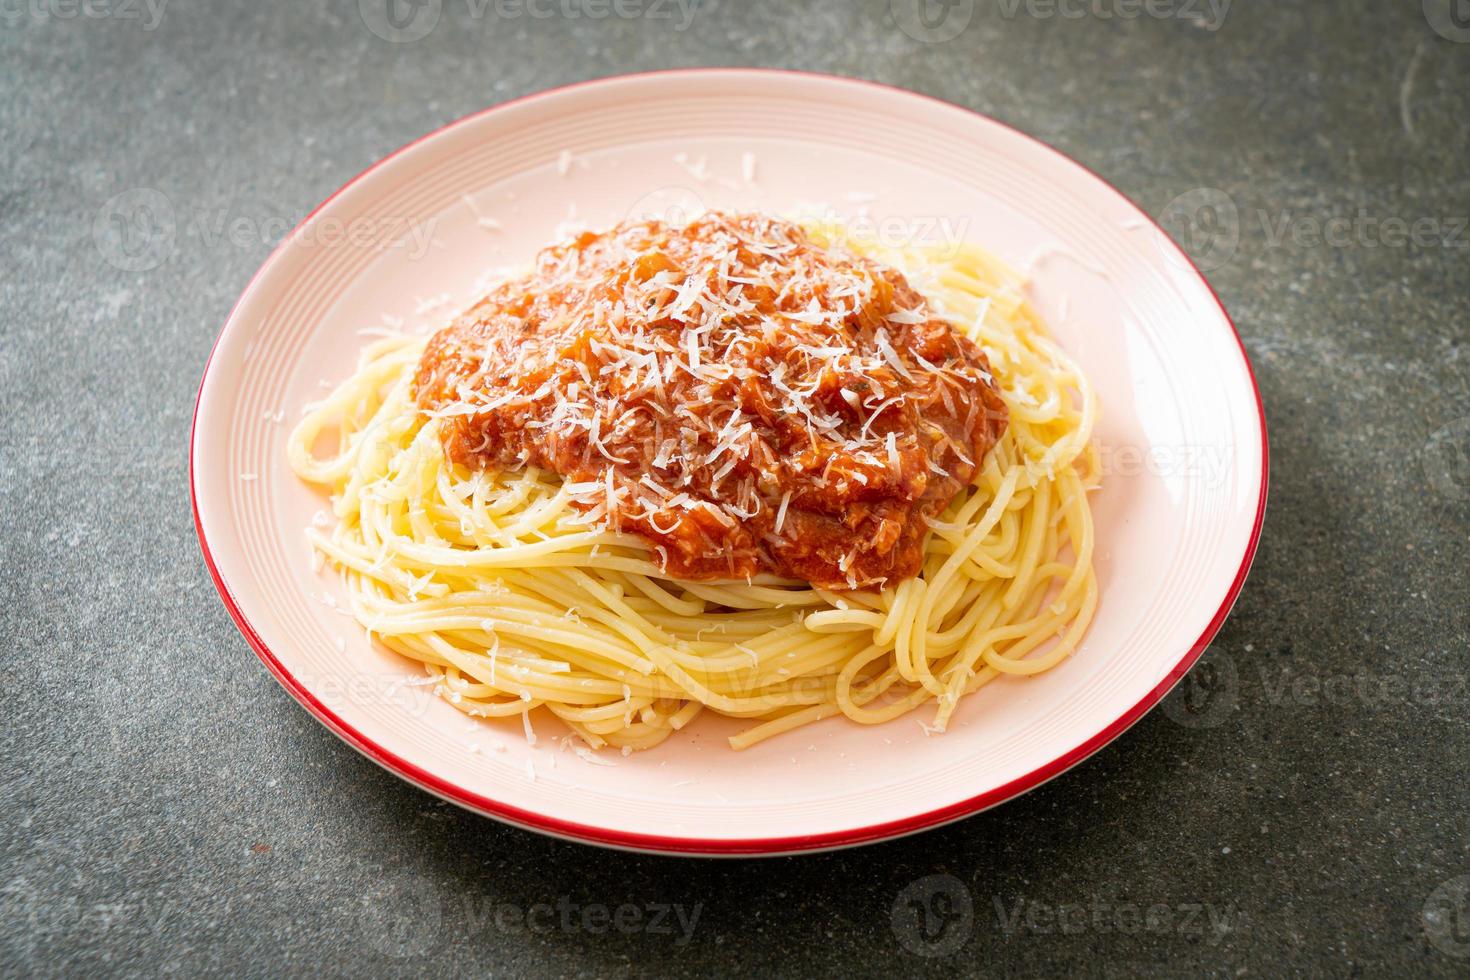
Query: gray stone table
[[1302, 805]]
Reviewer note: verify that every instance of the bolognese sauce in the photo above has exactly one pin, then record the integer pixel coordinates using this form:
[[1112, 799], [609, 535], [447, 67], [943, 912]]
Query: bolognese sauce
[[743, 398]]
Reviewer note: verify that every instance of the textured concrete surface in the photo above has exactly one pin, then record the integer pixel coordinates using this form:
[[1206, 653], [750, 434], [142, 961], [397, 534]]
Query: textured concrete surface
[[1302, 805]]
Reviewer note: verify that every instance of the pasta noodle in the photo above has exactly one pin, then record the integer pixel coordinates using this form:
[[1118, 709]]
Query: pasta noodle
[[492, 583]]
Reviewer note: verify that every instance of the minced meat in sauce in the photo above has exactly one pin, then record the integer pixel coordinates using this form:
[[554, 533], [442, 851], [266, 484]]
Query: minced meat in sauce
[[742, 397]]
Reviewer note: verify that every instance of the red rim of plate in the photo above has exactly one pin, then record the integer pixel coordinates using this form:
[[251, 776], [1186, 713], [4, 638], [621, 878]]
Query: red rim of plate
[[730, 847]]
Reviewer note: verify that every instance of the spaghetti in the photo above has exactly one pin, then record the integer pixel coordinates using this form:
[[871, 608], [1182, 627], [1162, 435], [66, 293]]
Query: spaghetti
[[495, 579]]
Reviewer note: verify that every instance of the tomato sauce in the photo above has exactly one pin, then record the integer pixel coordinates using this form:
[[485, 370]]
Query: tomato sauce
[[742, 397]]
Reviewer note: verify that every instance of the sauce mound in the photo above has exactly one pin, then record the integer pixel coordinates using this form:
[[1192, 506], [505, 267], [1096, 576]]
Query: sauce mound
[[743, 398]]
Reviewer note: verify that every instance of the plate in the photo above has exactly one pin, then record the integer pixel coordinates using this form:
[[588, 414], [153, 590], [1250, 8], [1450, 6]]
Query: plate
[[409, 242]]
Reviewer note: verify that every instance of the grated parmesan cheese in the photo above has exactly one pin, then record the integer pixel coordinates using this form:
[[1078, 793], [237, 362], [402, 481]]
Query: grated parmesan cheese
[[694, 383]]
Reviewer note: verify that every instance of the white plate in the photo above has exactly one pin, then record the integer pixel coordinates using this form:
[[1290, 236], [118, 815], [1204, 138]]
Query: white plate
[[1183, 434]]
